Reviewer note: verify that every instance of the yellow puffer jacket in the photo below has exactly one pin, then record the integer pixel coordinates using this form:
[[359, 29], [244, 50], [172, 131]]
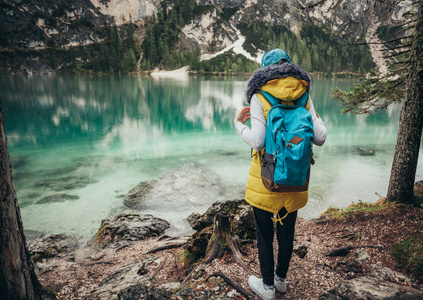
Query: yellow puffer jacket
[[287, 89]]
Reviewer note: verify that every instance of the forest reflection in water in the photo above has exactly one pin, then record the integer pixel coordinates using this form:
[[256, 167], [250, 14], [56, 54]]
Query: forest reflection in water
[[79, 144]]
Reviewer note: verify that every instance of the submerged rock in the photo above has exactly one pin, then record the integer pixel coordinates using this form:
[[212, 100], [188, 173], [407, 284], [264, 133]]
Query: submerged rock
[[371, 286], [57, 198], [137, 194], [18, 160], [129, 227], [187, 187], [65, 183], [365, 151]]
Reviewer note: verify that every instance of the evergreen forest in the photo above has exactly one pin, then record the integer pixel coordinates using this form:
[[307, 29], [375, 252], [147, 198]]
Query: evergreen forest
[[316, 49]]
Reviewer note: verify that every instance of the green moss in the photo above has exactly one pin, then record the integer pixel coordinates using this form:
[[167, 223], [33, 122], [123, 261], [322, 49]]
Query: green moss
[[336, 213], [409, 254], [101, 233], [187, 258]]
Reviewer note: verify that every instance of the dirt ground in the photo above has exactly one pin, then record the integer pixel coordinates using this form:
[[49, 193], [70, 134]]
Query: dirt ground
[[308, 277]]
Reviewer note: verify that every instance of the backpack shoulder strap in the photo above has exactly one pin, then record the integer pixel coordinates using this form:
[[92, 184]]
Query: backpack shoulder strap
[[269, 98], [265, 102]]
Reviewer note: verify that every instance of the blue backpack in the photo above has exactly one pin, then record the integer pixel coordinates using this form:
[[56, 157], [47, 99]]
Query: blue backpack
[[288, 154]]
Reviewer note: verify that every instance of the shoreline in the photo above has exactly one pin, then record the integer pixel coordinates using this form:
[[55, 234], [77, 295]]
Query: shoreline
[[161, 73], [91, 274]]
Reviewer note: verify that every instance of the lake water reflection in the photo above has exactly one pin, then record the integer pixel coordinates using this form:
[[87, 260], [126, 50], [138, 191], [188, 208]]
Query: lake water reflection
[[79, 144]]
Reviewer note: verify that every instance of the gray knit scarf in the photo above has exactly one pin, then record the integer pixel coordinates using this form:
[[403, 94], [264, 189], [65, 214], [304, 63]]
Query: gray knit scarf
[[262, 76]]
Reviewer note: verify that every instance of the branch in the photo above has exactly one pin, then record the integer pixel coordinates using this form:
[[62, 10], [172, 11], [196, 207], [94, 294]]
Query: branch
[[397, 54], [233, 284], [400, 47]]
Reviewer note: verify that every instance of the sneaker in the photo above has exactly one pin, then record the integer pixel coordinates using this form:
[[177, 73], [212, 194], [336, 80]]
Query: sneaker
[[280, 284], [256, 284]]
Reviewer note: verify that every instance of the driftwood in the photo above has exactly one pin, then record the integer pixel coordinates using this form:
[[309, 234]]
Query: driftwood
[[233, 284], [223, 240], [342, 251]]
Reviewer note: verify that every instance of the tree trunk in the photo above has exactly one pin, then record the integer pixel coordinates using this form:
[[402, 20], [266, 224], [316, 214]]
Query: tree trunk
[[223, 240], [404, 166], [17, 276]]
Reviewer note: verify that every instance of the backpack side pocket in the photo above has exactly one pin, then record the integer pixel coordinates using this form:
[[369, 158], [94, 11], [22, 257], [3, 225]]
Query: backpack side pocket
[[267, 170]]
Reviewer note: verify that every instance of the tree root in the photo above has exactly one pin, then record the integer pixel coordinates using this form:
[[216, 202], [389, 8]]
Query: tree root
[[110, 262], [165, 247], [190, 273], [230, 282], [159, 268], [342, 251]]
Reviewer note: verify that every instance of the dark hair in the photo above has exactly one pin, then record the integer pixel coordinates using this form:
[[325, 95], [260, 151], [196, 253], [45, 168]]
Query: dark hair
[[282, 61]]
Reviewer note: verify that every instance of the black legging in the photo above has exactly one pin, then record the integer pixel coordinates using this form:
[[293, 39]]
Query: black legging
[[285, 237]]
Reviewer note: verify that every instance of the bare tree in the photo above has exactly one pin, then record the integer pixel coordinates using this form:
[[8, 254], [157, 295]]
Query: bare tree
[[17, 276]]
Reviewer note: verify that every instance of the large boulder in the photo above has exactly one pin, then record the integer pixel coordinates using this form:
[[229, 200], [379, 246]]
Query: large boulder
[[129, 227], [134, 281], [371, 287], [135, 273], [52, 245]]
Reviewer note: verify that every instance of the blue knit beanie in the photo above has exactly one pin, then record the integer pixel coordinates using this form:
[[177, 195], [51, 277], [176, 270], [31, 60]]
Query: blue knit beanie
[[273, 57]]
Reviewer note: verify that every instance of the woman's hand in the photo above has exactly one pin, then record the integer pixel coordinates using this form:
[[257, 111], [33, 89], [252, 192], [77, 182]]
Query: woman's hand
[[243, 116]]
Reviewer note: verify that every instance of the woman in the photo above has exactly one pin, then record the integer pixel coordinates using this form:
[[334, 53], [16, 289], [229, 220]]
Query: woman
[[287, 82]]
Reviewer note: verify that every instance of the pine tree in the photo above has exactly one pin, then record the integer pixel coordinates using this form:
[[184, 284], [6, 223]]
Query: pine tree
[[378, 91], [132, 61]]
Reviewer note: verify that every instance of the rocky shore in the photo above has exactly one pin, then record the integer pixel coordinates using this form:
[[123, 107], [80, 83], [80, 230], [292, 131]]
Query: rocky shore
[[341, 255]]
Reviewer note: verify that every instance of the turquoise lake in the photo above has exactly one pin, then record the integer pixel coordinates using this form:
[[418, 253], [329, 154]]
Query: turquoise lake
[[79, 144]]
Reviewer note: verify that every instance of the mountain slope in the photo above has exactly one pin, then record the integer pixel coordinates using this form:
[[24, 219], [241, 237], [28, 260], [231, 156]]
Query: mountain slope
[[33, 30]]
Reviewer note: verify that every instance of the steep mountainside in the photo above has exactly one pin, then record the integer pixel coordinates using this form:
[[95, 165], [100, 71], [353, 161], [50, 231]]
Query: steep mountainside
[[31, 30], [38, 24]]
